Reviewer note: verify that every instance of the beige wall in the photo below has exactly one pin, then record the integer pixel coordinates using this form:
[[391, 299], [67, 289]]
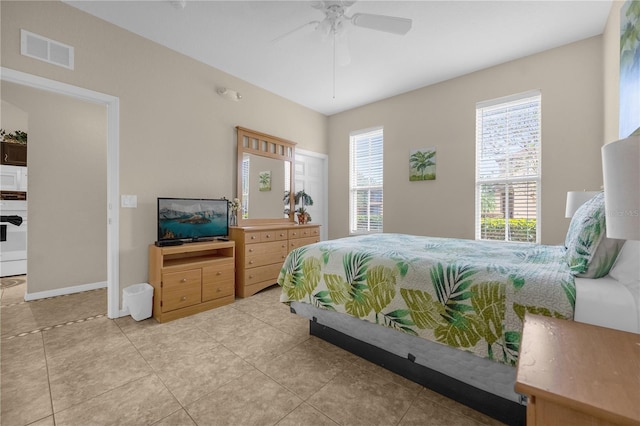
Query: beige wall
[[443, 115], [177, 135], [611, 70], [67, 193], [13, 118]]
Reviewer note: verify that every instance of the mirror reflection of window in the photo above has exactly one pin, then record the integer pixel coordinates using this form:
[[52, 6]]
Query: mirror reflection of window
[[245, 187], [287, 182]]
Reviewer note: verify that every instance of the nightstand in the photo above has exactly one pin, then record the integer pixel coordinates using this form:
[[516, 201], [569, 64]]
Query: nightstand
[[578, 374]]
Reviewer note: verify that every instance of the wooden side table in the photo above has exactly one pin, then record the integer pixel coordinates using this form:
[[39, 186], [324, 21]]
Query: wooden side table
[[578, 374]]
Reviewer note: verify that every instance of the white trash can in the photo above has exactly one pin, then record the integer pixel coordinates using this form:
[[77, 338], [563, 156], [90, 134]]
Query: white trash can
[[139, 299]]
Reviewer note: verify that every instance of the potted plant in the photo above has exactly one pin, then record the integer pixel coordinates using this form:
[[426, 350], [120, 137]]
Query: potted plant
[[304, 199], [18, 137]]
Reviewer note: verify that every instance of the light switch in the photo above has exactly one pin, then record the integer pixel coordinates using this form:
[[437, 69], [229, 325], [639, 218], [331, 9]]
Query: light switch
[[129, 201]]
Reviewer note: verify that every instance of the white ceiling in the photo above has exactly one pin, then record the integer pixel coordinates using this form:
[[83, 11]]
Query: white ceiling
[[448, 39]]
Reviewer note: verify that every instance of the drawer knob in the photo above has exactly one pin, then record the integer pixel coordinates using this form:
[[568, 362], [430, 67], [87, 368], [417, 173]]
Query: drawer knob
[[183, 298], [253, 237], [218, 290], [218, 273], [184, 280], [250, 250], [250, 276], [251, 262], [268, 235], [282, 235]]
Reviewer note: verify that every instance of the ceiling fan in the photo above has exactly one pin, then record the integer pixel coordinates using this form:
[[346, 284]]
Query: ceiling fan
[[335, 22], [336, 18]]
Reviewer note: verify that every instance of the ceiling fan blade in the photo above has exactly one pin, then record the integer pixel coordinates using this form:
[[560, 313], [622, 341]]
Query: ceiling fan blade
[[280, 37], [389, 24]]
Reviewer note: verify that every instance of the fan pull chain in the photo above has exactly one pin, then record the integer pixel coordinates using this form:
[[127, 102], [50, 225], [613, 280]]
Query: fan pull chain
[[334, 63]]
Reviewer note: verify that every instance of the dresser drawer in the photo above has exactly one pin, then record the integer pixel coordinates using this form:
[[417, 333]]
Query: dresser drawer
[[275, 235], [294, 233], [252, 237], [299, 242], [181, 289], [265, 248], [264, 253], [309, 232], [262, 273]]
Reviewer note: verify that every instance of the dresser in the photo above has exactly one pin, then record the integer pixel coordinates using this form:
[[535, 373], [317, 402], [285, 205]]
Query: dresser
[[191, 278], [262, 249], [578, 374]]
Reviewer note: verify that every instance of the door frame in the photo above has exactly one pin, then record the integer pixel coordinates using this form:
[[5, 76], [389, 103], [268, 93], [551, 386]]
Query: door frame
[[112, 104]]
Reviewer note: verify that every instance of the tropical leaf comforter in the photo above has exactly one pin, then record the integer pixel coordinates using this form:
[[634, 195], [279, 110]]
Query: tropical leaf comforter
[[471, 295]]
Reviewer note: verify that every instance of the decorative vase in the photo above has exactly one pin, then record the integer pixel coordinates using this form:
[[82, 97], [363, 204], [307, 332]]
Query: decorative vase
[[302, 218], [233, 218]]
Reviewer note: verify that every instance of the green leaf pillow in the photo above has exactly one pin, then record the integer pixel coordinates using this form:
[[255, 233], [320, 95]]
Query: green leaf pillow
[[590, 253]]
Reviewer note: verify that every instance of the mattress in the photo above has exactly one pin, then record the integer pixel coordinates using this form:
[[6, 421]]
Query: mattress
[[608, 303], [482, 373]]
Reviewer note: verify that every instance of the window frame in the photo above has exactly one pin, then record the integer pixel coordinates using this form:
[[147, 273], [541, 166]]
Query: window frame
[[353, 187], [505, 103]]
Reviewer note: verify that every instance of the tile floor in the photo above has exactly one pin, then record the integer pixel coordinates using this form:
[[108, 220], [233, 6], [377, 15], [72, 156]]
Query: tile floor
[[63, 362]]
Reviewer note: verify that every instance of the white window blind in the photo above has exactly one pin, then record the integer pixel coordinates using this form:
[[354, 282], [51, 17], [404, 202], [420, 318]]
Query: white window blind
[[508, 168], [245, 187], [365, 212]]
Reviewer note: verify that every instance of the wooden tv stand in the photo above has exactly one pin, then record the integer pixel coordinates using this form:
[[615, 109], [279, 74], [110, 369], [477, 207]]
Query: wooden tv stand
[[191, 278]]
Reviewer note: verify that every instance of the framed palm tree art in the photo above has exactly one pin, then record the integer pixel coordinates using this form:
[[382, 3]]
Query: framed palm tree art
[[422, 164], [264, 181]]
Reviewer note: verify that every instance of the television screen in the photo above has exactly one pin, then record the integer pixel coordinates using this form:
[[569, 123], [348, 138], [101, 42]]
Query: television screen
[[192, 219]]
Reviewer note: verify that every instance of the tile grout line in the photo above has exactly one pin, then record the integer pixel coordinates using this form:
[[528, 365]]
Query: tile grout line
[[46, 364], [50, 327]]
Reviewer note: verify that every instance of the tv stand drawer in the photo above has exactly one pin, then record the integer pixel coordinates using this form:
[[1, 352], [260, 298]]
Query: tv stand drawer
[[191, 278], [181, 289]]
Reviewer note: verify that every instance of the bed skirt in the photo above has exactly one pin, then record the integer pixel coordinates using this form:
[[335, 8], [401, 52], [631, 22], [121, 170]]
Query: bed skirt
[[484, 385]]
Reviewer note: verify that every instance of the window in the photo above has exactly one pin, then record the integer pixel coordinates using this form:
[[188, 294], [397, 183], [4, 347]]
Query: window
[[365, 181], [508, 168], [245, 186]]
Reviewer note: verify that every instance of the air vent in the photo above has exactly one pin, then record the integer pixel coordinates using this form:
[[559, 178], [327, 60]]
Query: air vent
[[45, 49]]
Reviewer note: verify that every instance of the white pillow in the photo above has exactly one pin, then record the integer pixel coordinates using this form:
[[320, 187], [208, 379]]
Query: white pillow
[[627, 267]]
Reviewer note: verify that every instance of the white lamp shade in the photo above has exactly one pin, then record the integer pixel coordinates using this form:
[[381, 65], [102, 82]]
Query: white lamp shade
[[621, 173], [575, 199]]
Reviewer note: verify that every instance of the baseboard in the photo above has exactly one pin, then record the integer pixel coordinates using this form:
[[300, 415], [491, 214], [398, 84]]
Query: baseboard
[[63, 291]]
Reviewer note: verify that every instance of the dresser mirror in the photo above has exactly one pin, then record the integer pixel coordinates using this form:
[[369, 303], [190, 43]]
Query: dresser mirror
[[265, 167]]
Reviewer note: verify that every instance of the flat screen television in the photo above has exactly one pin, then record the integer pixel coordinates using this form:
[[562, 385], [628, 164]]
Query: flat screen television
[[192, 219]]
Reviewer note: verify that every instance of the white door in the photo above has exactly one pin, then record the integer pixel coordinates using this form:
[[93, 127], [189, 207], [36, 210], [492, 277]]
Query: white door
[[311, 175]]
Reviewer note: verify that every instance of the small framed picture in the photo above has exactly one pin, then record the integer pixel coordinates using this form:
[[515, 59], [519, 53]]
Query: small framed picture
[[422, 164], [264, 181]]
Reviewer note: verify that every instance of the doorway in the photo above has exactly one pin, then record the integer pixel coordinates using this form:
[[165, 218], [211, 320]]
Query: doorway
[[112, 216]]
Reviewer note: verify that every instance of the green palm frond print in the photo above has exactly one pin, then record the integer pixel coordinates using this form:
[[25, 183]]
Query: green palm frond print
[[470, 295]]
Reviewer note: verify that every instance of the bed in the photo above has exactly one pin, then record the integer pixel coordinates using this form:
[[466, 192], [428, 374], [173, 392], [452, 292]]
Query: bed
[[447, 313]]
